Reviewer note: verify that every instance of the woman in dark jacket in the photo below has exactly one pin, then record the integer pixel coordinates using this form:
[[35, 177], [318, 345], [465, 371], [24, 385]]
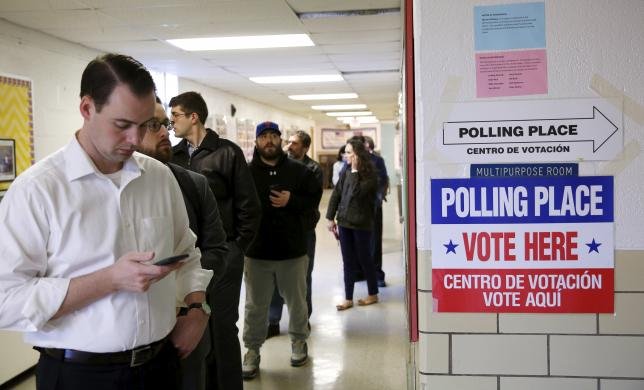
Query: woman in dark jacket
[[352, 205]]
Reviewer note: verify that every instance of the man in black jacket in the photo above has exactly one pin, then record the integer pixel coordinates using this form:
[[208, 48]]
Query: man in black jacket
[[297, 146], [205, 222], [223, 164], [287, 189]]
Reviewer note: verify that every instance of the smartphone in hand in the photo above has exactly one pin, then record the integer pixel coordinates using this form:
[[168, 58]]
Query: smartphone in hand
[[276, 187], [171, 259]]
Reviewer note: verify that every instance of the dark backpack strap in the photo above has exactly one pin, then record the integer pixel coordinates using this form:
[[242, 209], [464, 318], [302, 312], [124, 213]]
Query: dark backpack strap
[[189, 188]]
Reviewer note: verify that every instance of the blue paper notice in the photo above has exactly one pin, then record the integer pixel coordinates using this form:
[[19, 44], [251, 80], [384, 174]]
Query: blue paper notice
[[512, 26]]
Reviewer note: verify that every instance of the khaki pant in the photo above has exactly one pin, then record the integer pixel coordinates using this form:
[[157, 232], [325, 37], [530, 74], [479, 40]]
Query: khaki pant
[[261, 278]]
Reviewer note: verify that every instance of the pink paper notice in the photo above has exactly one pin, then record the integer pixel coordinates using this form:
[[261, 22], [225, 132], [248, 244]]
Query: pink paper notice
[[511, 73]]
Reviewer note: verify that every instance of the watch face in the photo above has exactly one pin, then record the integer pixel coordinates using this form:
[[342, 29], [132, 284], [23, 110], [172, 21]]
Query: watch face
[[206, 308]]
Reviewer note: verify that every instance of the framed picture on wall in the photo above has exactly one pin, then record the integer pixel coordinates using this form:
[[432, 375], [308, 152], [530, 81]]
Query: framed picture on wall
[[336, 138], [7, 160]]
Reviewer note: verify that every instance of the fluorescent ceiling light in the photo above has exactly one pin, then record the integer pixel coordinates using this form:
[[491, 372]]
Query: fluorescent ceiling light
[[360, 119], [244, 42], [311, 78], [350, 113], [325, 96], [340, 107]]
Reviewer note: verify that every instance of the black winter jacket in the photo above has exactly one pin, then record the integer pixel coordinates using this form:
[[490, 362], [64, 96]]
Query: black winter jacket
[[205, 221], [224, 165], [281, 232], [310, 218], [353, 200]]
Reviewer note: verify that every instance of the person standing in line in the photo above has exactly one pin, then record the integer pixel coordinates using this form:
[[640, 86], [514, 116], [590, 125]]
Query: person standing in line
[[351, 204], [205, 222], [224, 165], [79, 234], [338, 166], [277, 257], [297, 147], [383, 187]]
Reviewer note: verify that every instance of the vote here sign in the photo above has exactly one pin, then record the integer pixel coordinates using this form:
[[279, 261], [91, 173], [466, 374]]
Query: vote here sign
[[523, 245]]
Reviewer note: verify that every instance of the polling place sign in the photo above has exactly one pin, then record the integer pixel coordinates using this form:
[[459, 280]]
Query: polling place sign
[[523, 245], [558, 130]]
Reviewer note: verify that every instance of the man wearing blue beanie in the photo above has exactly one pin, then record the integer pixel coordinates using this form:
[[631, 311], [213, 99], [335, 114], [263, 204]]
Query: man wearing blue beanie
[[286, 189]]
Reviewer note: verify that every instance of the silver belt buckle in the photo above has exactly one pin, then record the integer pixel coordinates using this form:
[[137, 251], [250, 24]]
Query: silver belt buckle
[[140, 356]]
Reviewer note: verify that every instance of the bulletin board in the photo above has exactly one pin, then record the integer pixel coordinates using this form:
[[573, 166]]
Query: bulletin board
[[336, 138], [246, 137], [16, 128]]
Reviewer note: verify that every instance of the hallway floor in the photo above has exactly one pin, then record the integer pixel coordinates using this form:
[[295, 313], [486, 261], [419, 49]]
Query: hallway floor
[[360, 348]]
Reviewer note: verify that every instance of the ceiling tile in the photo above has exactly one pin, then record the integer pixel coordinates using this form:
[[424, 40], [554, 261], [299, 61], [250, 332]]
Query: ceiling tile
[[354, 23], [57, 19], [362, 36], [341, 48], [39, 5], [340, 5], [140, 28]]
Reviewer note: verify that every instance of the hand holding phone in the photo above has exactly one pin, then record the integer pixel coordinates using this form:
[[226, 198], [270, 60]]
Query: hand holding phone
[[171, 259]]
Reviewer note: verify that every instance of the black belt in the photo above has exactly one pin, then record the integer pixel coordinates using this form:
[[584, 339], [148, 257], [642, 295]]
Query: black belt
[[133, 357]]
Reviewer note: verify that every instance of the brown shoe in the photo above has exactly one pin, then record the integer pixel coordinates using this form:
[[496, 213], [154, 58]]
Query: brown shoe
[[370, 300], [344, 305]]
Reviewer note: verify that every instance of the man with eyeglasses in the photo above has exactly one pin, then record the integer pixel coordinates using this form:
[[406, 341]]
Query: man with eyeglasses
[[224, 165], [80, 232], [205, 222]]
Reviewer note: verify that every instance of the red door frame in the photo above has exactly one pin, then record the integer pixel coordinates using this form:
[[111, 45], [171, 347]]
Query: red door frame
[[410, 130]]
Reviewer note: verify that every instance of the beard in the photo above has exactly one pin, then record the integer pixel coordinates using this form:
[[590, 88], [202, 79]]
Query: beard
[[270, 152]]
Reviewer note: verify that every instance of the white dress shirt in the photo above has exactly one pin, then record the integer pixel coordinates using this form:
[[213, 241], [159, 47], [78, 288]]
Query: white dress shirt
[[337, 168], [62, 218]]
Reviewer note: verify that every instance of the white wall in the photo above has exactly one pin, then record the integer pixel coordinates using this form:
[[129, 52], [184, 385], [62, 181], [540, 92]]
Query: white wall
[[219, 103], [54, 67], [595, 48]]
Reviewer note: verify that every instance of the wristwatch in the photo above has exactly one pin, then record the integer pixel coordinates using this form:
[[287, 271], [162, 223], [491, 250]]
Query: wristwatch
[[198, 305]]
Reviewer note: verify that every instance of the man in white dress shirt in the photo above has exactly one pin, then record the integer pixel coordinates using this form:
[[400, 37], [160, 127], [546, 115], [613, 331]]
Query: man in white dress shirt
[[79, 233]]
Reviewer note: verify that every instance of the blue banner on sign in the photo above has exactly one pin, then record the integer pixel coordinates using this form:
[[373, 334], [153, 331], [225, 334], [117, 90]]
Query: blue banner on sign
[[524, 170], [522, 200]]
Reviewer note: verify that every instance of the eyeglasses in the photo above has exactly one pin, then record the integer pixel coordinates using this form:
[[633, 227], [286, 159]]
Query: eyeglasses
[[154, 125], [175, 115]]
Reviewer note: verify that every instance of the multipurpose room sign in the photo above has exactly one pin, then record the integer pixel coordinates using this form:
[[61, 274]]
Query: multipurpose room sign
[[532, 131], [523, 245]]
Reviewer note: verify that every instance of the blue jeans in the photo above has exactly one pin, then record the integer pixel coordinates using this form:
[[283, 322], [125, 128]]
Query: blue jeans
[[277, 303]]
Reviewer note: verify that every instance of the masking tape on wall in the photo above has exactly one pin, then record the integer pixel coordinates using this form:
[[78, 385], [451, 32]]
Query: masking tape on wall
[[632, 110], [449, 95], [627, 156], [606, 90]]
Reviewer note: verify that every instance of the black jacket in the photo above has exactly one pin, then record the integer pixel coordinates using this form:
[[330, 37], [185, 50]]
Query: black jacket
[[203, 214], [281, 231], [223, 164], [311, 217], [353, 200]]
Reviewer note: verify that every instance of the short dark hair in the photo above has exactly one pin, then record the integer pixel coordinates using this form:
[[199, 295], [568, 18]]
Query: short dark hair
[[105, 72], [304, 137], [358, 138], [191, 102], [369, 141], [341, 152]]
